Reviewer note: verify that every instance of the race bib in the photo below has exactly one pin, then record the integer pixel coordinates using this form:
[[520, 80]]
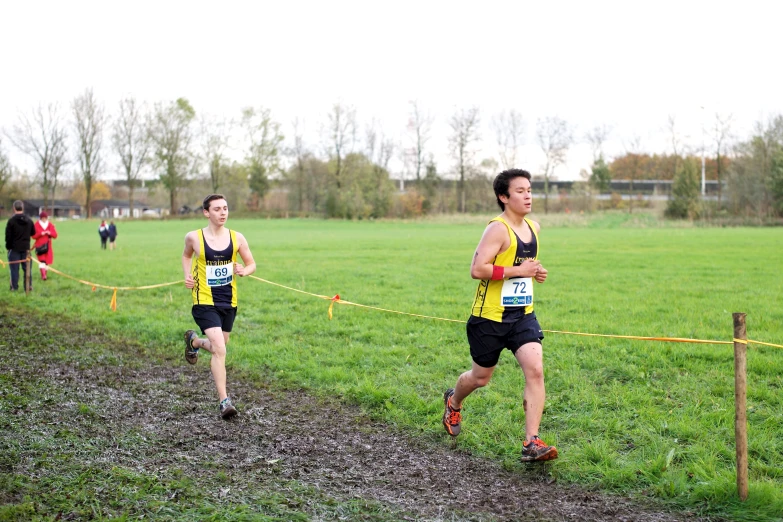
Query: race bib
[[517, 291], [220, 275]]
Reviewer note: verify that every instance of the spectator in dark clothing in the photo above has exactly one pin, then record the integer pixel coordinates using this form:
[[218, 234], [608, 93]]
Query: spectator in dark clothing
[[103, 231], [112, 235], [18, 231]]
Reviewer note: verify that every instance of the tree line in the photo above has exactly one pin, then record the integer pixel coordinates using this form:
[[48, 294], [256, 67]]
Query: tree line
[[346, 174], [749, 172]]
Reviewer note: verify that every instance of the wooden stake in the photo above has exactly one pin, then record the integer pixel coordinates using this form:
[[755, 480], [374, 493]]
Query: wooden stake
[[740, 399], [28, 276]]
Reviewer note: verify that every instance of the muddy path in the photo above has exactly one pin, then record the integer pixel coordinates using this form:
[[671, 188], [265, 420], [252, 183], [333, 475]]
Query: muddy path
[[280, 437]]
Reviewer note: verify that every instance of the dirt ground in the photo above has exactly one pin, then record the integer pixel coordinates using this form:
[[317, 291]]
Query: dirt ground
[[324, 445]]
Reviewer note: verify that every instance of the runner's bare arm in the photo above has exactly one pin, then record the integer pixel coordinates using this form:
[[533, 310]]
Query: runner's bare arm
[[542, 272], [247, 258], [191, 245]]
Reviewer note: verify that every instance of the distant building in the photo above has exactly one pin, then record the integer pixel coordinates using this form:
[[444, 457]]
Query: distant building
[[114, 208], [647, 188], [55, 208]]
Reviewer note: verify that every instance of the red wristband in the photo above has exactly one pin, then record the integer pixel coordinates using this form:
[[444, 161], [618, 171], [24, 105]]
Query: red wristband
[[498, 272]]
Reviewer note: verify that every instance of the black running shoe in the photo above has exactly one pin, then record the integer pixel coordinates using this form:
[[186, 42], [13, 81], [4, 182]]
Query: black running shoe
[[227, 409], [191, 353]]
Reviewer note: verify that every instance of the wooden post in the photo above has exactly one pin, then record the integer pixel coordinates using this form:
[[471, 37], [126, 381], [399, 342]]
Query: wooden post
[[740, 398], [28, 276]]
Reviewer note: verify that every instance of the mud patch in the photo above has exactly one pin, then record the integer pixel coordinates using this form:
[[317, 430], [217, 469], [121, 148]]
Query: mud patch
[[118, 406]]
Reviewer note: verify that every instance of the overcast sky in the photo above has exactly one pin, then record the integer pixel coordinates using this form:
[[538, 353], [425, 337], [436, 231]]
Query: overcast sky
[[628, 65]]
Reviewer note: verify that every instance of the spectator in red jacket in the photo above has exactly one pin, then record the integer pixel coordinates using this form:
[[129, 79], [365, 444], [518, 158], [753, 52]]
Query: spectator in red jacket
[[44, 233]]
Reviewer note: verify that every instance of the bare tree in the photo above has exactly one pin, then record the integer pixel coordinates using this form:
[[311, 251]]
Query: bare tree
[[378, 148], [215, 134], [130, 141], [298, 151], [633, 150], [371, 139], [509, 127], [379, 151], [42, 136], [721, 134], [5, 168], [89, 120], [342, 136], [465, 133], [170, 135], [596, 137], [264, 142], [676, 141], [555, 138], [419, 130]]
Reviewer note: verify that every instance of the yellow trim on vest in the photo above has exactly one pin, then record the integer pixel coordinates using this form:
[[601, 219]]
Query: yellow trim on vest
[[486, 304], [201, 293]]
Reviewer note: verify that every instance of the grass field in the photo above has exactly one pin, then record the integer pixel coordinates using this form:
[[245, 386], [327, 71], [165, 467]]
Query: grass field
[[646, 417]]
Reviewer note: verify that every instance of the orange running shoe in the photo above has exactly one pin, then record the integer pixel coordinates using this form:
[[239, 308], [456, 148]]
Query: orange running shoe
[[535, 449], [452, 418]]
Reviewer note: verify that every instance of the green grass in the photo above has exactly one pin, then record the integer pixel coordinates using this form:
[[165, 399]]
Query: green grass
[[629, 416]]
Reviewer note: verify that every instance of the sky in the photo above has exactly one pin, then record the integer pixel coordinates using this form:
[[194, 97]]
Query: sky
[[625, 65]]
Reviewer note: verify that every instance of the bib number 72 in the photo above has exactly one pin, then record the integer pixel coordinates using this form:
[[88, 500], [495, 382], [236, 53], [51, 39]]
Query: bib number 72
[[517, 291]]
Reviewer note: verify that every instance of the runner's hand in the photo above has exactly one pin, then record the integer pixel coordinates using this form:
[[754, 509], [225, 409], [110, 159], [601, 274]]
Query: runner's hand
[[529, 268], [239, 269]]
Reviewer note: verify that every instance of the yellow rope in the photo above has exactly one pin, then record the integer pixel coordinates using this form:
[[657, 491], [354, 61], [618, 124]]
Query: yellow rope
[[98, 285], [25, 260], [113, 303], [336, 299]]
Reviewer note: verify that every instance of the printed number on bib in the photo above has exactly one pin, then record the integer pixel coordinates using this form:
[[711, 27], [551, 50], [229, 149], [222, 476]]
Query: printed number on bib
[[220, 275], [517, 291]]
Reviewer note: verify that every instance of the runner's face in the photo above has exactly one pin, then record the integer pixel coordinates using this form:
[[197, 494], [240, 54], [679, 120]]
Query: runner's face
[[520, 198], [218, 211]]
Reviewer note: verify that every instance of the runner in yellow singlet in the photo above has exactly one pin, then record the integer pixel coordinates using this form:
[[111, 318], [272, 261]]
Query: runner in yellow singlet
[[506, 264], [209, 263]]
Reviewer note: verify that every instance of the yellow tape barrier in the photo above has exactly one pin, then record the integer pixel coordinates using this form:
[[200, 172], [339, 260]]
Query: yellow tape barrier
[[3, 263], [113, 304], [336, 299]]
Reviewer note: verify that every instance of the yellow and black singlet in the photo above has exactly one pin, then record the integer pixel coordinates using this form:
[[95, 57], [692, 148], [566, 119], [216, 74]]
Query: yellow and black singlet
[[213, 274], [487, 303]]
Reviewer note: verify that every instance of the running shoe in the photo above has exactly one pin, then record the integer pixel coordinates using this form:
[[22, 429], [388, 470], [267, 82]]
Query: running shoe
[[535, 449], [227, 409], [191, 353], [452, 418]]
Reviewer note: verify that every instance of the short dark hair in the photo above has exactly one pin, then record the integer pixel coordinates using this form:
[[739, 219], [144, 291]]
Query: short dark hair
[[209, 199], [18, 205], [503, 180]]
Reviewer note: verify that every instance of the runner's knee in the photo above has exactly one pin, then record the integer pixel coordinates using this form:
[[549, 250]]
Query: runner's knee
[[535, 372], [218, 350], [481, 380]]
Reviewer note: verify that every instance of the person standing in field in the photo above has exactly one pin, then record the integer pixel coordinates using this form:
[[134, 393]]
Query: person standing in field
[[112, 235], [44, 233], [506, 263], [18, 231], [103, 231], [209, 263]]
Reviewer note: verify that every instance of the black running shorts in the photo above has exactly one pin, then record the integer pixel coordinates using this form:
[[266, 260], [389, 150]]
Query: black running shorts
[[208, 316], [488, 338]]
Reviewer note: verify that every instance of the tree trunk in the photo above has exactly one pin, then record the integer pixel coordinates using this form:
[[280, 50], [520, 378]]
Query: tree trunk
[[130, 198]]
